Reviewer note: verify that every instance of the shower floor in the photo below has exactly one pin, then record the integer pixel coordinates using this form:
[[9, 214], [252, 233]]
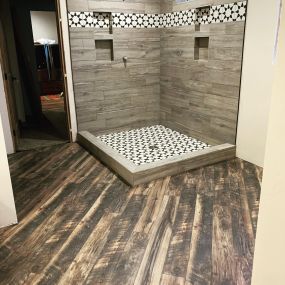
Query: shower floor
[[150, 144], [144, 154]]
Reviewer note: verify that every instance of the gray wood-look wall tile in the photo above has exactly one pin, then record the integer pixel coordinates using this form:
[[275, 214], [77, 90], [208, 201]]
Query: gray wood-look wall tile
[[109, 95], [201, 97], [128, 6], [162, 82], [171, 5]]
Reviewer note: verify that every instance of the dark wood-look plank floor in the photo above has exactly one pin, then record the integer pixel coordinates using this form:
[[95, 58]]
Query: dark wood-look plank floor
[[80, 224]]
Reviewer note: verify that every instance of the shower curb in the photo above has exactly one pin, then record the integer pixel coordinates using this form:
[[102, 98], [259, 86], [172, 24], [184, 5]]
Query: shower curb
[[135, 175]]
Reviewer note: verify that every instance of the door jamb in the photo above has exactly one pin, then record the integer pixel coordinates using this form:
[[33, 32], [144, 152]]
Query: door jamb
[[7, 112], [63, 35]]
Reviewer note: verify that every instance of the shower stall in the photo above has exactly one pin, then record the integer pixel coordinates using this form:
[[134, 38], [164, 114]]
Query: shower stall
[[157, 82]]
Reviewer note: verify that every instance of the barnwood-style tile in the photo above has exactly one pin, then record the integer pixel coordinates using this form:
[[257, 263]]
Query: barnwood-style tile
[[162, 82], [201, 97], [80, 224], [108, 94]]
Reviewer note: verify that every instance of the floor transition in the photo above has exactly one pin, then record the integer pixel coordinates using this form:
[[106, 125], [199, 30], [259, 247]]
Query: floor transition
[[80, 224]]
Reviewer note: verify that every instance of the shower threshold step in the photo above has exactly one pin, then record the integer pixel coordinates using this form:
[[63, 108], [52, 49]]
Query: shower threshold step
[[148, 167]]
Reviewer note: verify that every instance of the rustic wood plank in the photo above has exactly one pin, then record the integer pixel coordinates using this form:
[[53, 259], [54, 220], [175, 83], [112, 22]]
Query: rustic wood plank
[[199, 269], [223, 263], [87, 227], [130, 259], [65, 256], [243, 245], [39, 192], [252, 177], [53, 216], [176, 262], [104, 270], [156, 234]]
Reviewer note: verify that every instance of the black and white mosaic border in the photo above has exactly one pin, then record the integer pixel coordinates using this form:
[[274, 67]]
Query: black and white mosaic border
[[223, 13], [81, 19], [122, 20]]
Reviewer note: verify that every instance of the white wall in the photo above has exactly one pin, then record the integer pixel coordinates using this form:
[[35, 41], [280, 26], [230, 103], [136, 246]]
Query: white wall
[[5, 117], [257, 78], [44, 25], [7, 206], [269, 259]]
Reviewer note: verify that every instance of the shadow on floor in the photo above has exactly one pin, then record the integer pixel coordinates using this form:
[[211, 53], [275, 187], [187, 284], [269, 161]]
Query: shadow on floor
[[50, 130]]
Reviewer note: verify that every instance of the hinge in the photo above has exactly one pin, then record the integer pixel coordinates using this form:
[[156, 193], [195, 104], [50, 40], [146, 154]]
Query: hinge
[[5, 76], [14, 133]]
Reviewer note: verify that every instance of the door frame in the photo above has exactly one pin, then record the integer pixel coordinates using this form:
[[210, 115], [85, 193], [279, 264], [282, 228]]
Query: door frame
[[8, 108], [63, 37]]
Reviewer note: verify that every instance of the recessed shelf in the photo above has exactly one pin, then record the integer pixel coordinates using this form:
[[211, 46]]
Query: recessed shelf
[[201, 49], [104, 50]]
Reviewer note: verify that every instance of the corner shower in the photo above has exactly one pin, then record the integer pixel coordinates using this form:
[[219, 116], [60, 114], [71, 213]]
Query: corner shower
[[157, 86]]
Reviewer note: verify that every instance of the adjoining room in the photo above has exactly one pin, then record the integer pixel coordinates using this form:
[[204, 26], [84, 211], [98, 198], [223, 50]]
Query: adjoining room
[[36, 91]]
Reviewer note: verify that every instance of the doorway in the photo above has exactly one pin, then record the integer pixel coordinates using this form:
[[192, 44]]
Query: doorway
[[34, 73]]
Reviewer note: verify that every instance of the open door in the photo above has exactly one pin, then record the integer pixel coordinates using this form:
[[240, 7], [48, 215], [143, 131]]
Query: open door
[[9, 91], [63, 66]]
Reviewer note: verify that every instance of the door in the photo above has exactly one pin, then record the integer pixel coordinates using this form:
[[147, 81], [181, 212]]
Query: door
[[9, 90], [63, 66]]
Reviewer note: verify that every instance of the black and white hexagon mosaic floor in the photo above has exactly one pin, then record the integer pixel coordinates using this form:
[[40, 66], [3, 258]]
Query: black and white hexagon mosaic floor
[[150, 144]]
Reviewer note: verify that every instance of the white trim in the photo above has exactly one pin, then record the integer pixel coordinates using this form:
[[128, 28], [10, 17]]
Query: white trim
[[66, 46], [8, 215], [5, 117]]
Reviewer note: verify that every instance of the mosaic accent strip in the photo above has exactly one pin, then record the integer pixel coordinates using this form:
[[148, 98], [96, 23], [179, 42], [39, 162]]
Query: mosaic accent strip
[[150, 144], [213, 14], [224, 13], [81, 19], [121, 20], [181, 18], [102, 20]]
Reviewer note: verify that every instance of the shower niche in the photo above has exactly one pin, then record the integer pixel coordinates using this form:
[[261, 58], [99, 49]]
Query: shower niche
[[174, 106], [201, 49], [104, 50], [103, 22]]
